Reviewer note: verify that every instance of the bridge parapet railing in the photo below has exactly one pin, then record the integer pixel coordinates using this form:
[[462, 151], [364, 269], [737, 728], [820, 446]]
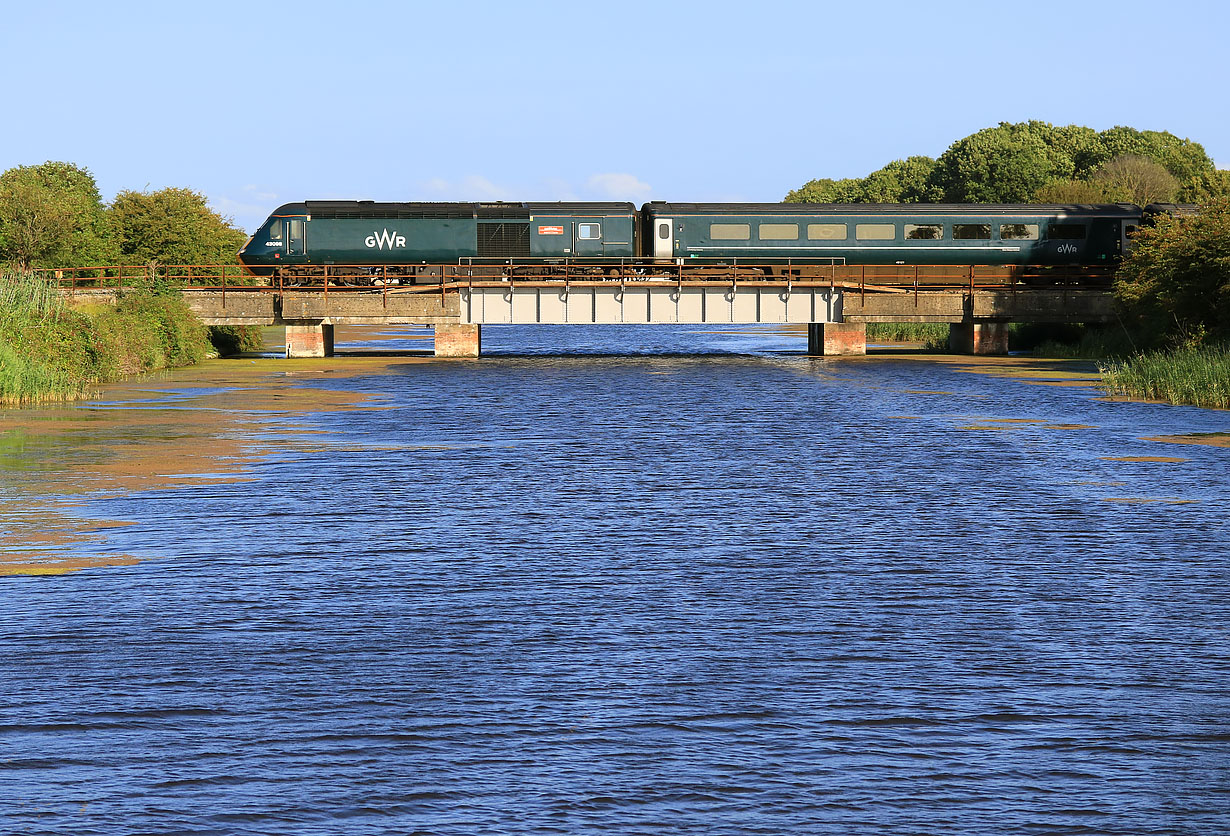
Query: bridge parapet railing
[[130, 276], [478, 272], [803, 272]]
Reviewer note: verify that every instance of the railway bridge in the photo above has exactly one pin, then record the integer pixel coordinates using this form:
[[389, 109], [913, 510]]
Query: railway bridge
[[977, 310]]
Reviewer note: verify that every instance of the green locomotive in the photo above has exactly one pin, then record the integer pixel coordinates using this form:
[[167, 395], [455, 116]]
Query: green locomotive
[[414, 239]]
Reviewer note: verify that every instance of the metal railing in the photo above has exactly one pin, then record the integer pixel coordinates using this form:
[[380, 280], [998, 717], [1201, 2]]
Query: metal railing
[[480, 272]]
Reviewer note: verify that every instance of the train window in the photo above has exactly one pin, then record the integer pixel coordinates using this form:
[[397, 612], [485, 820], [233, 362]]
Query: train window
[[1018, 232], [730, 232], [924, 232], [826, 232], [275, 231], [971, 232], [779, 232], [1066, 232], [589, 232], [875, 232], [664, 231]]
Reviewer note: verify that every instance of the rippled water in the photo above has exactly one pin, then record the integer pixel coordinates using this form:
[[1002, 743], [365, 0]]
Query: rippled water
[[678, 590]]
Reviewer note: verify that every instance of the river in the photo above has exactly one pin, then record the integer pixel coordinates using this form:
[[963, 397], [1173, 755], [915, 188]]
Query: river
[[642, 581]]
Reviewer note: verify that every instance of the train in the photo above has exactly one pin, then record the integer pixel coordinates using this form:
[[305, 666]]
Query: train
[[363, 241]]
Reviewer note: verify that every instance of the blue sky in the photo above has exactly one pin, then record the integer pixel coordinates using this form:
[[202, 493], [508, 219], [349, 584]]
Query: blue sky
[[256, 104]]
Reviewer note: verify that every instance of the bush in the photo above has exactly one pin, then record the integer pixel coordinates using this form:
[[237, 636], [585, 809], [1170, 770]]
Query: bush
[[235, 339], [49, 351], [1174, 286]]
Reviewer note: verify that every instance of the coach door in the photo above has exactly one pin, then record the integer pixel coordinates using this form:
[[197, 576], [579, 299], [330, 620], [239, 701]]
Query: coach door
[[587, 237], [294, 241], [663, 238]]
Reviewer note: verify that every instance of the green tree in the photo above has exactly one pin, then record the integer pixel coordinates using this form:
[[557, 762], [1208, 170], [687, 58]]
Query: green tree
[[902, 181], [1185, 159], [827, 191], [1024, 161], [1135, 179], [173, 226], [51, 215], [1010, 162], [1175, 282], [1071, 191]]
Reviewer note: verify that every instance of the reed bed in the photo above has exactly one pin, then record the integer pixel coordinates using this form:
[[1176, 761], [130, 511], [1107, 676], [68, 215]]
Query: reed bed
[[51, 351], [24, 296], [918, 332], [1196, 376]]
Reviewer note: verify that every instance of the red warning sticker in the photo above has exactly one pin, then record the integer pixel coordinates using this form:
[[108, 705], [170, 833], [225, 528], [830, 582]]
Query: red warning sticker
[[550, 230]]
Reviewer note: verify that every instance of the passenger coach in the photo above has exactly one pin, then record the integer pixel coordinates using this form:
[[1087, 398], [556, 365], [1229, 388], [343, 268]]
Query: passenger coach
[[923, 234]]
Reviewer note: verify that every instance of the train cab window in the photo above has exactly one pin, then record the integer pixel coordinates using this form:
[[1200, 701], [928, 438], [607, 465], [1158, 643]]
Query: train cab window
[[924, 232], [275, 230], [827, 232], [1018, 232], [875, 232], [971, 232], [730, 232], [778, 232], [1066, 232], [589, 232]]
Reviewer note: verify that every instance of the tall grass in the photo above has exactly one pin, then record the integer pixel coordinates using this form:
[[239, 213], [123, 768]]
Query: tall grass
[[1196, 376], [25, 296], [50, 351], [914, 332]]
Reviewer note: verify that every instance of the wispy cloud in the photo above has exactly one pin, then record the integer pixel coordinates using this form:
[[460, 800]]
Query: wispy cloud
[[470, 187], [619, 187], [606, 186]]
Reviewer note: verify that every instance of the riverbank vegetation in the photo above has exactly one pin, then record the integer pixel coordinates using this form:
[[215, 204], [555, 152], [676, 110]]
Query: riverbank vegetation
[[52, 215], [1192, 375], [1198, 376], [51, 351], [1174, 293]]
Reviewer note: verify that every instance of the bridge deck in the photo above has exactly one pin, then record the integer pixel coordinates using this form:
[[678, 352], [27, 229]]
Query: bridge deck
[[483, 303]]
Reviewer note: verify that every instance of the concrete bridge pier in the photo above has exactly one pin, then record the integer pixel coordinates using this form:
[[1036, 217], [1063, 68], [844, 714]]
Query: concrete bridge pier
[[831, 339], [309, 338], [458, 340], [978, 337]]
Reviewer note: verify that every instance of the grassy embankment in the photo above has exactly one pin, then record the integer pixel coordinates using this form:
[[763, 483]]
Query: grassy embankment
[[1197, 376], [51, 351]]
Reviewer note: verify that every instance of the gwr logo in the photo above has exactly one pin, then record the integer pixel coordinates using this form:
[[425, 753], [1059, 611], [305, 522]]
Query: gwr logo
[[383, 239]]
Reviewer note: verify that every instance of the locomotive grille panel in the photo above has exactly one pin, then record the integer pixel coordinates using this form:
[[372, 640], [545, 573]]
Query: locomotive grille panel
[[503, 240]]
